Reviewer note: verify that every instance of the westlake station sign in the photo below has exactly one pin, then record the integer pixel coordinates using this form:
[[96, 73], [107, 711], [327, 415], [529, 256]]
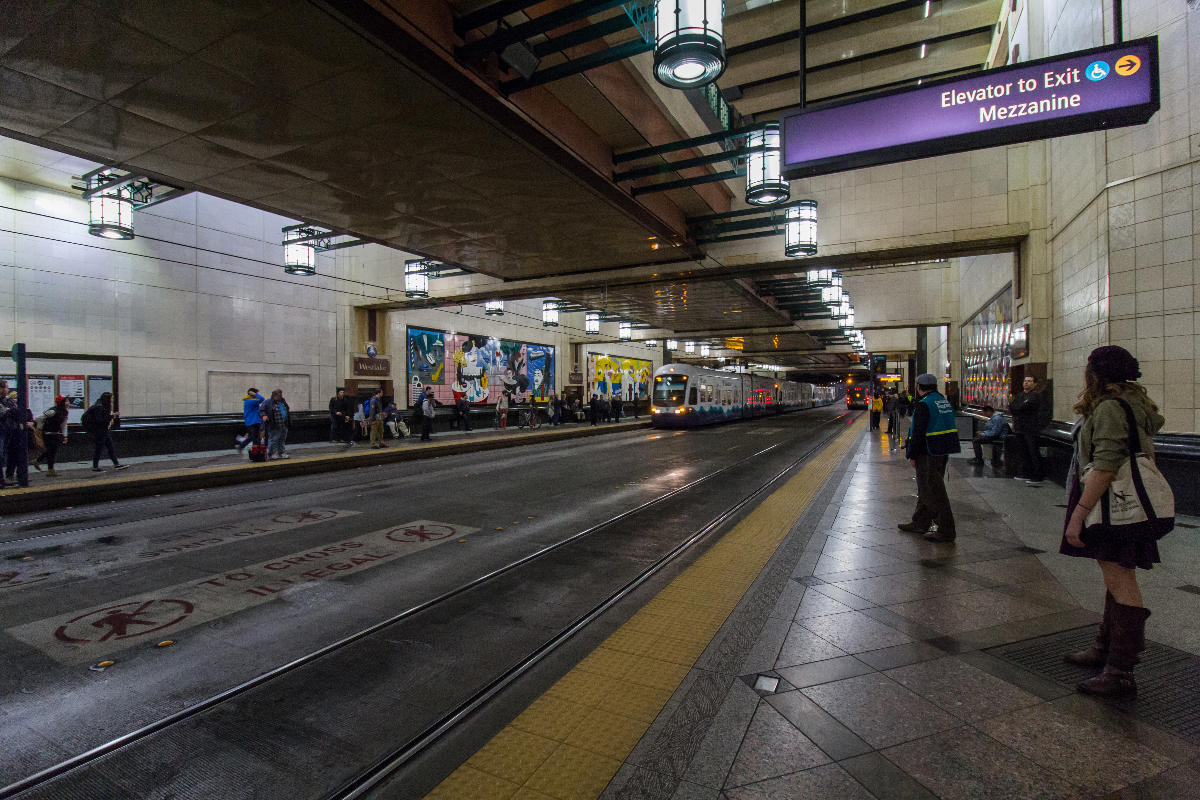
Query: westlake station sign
[[1105, 87]]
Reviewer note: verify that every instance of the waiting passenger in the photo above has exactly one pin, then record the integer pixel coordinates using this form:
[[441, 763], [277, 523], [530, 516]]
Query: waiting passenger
[[891, 407], [1026, 410], [932, 437], [463, 410], [54, 433], [1110, 391], [98, 421], [617, 407], [341, 415], [251, 418], [502, 410], [25, 428], [876, 410], [993, 433], [274, 412], [375, 416], [428, 411]]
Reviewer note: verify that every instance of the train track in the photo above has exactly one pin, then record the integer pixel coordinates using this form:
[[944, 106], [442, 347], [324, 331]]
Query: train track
[[398, 757]]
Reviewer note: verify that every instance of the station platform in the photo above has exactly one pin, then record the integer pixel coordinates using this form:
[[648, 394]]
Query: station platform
[[480, 625], [817, 651], [77, 484]]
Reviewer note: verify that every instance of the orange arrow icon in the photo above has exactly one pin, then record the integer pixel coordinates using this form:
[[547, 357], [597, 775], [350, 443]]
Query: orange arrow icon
[[1127, 65]]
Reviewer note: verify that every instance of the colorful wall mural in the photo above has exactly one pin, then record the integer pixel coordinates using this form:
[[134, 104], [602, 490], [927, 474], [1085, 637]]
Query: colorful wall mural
[[612, 376], [987, 354], [478, 367]]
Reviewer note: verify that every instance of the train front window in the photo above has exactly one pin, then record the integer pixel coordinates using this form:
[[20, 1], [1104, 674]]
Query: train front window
[[669, 390]]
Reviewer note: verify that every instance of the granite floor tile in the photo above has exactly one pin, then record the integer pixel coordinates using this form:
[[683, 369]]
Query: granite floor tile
[[883, 778], [835, 739], [1165, 744], [816, 604], [694, 791], [1175, 782], [789, 600], [833, 669], [763, 654], [890, 657], [861, 558], [711, 761], [772, 747], [802, 646], [959, 688], [826, 781], [1096, 758], [964, 764], [1010, 673], [854, 632], [637, 783], [970, 611], [905, 587], [903, 624], [1015, 569], [879, 710]]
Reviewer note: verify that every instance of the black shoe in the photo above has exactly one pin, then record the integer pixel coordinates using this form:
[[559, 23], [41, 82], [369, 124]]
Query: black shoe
[[120, 466], [909, 527], [938, 536]]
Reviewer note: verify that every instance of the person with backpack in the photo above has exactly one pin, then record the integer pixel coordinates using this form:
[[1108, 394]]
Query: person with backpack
[[54, 433], [428, 411], [97, 421], [251, 418], [932, 439], [274, 413]]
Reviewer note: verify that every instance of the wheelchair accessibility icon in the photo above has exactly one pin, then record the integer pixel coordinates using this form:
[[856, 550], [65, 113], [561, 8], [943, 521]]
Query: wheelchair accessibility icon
[[1097, 71]]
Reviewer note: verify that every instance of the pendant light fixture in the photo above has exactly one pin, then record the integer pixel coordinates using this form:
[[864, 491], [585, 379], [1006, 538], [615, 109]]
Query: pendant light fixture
[[625, 331], [299, 258], [819, 278], [800, 230], [549, 313], [689, 44], [416, 280], [591, 323], [494, 308], [764, 185], [704, 351], [672, 344], [689, 347], [110, 210]]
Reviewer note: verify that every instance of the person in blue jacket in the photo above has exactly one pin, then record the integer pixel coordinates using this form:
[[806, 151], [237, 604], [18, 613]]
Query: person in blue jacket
[[932, 437], [251, 418]]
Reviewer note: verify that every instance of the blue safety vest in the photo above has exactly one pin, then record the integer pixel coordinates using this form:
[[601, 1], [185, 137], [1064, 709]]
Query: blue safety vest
[[941, 435]]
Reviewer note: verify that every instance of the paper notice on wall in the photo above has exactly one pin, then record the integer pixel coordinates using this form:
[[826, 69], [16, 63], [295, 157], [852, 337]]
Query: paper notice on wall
[[41, 393], [72, 387], [98, 385]]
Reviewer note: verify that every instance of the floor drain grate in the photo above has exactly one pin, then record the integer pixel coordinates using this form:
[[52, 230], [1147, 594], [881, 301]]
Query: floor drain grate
[[1168, 679]]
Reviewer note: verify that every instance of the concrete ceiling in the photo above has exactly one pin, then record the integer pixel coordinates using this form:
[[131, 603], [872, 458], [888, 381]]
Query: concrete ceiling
[[357, 116]]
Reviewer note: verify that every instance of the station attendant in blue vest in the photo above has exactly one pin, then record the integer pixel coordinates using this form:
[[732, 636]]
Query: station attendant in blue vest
[[932, 437]]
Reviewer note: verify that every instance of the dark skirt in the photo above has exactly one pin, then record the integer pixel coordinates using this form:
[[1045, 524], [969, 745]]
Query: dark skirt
[[1124, 550]]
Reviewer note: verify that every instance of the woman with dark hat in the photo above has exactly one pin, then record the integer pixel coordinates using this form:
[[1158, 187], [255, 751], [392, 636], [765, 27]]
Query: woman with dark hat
[[1101, 439]]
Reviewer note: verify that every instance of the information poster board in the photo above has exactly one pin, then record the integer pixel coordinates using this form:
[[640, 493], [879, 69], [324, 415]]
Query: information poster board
[[73, 388], [41, 393], [96, 386]]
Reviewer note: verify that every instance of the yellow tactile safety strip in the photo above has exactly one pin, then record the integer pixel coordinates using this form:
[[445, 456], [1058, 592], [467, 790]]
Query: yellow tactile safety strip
[[571, 741]]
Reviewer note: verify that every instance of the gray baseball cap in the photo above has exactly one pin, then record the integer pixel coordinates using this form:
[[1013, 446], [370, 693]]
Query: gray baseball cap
[[925, 379]]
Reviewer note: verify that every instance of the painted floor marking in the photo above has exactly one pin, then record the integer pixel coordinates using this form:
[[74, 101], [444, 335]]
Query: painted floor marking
[[86, 634], [91, 556]]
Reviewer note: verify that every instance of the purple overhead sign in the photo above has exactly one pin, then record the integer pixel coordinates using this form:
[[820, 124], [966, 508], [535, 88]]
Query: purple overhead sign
[[1088, 90]]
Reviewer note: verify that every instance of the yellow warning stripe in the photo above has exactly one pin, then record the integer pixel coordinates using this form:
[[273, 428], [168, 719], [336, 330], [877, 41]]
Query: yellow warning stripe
[[570, 742]]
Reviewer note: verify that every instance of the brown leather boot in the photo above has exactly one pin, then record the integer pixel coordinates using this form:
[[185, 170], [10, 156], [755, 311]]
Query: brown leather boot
[[1127, 638], [1097, 654]]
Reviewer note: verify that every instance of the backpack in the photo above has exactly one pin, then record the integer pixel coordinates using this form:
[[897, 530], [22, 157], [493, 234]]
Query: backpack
[[428, 409], [93, 420]]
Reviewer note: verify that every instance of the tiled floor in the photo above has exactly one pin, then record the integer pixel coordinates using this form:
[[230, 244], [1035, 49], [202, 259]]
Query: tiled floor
[[877, 638]]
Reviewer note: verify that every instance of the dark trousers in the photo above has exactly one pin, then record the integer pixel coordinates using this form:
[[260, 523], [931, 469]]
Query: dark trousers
[[52, 440], [893, 422], [933, 504], [337, 428], [426, 428], [1033, 459], [875, 420], [100, 442], [997, 448]]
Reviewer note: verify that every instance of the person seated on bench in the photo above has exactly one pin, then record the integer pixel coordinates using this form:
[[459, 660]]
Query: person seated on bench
[[993, 433]]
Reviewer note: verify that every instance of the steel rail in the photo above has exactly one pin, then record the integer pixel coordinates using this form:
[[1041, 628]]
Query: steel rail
[[91, 755], [385, 767]]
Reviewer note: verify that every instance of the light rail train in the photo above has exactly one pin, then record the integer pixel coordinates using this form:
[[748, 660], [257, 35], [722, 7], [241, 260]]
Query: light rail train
[[685, 396]]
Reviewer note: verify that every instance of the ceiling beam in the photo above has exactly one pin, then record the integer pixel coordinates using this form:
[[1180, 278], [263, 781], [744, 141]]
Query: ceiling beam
[[489, 13], [577, 65], [538, 25]]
